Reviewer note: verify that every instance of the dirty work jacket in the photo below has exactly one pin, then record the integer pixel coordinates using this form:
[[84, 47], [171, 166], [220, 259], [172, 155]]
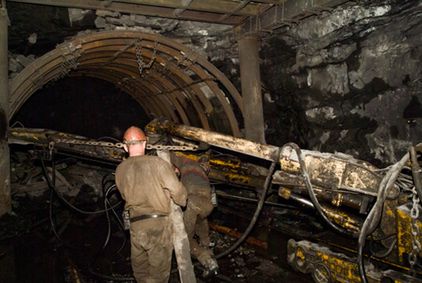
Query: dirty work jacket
[[192, 175], [142, 181]]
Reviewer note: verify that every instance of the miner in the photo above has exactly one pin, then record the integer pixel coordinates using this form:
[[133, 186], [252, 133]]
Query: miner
[[148, 184], [194, 176]]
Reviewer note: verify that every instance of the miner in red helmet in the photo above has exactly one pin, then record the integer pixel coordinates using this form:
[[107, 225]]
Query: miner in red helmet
[[148, 184]]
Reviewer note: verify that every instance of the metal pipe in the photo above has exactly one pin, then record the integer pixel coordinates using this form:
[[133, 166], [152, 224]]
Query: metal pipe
[[5, 200], [267, 152]]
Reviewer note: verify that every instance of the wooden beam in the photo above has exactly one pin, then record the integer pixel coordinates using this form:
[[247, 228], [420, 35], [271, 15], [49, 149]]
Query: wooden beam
[[145, 10], [285, 13]]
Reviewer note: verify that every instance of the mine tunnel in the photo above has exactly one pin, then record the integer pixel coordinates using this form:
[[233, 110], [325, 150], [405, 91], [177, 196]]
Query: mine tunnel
[[290, 130]]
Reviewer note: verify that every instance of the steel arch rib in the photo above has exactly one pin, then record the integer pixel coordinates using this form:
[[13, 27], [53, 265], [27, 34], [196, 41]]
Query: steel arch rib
[[50, 67]]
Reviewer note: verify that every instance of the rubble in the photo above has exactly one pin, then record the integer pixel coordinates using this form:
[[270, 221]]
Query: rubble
[[17, 62]]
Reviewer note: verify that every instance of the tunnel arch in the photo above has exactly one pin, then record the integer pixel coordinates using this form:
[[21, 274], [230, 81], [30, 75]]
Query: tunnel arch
[[165, 77]]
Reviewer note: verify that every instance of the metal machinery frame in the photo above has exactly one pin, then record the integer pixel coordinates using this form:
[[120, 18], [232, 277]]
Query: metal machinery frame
[[347, 190]]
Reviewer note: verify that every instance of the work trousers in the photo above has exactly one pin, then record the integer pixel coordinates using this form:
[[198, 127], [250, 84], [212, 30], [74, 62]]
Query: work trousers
[[195, 217], [151, 250]]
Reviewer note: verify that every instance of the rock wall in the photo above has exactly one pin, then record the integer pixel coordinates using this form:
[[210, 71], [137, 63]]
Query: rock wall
[[346, 79], [351, 79]]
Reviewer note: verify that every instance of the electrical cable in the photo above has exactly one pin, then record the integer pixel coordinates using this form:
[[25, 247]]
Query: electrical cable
[[258, 209], [311, 193], [374, 216], [385, 253], [49, 183], [50, 213], [107, 239], [108, 223], [240, 198], [17, 123]]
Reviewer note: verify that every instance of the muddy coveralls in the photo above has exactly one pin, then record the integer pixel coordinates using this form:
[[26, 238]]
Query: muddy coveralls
[[147, 183], [198, 207]]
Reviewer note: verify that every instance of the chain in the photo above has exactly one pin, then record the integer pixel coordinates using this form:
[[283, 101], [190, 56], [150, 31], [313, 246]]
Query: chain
[[172, 147], [185, 147], [140, 60], [70, 58], [414, 214]]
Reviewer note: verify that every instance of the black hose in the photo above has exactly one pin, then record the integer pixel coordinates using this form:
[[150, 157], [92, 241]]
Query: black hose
[[385, 253], [107, 239], [374, 216], [258, 209], [52, 186], [311, 193]]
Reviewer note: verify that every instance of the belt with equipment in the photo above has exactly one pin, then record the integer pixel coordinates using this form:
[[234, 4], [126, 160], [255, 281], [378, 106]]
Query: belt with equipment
[[146, 216]]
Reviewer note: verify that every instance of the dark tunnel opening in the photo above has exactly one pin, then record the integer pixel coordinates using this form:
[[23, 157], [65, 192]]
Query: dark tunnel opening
[[81, 105]]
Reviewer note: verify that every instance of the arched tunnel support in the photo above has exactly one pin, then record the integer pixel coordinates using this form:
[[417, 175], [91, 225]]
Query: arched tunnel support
[[165, 77]]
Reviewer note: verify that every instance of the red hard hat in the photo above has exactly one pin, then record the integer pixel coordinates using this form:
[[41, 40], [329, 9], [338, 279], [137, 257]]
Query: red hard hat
[[134, 135]]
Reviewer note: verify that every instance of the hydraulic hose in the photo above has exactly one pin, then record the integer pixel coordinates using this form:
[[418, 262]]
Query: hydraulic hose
[[257, 212], [311, 193], [51, 185], [374, 216]]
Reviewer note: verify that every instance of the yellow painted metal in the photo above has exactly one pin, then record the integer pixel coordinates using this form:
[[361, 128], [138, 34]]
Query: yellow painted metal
[[404, 235], [228, 171], [308, 257]]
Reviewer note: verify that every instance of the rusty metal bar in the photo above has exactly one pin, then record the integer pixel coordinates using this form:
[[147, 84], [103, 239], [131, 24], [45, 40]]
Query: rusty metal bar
[[98, 48], [251, 87], [131, 8], [5, 200], [236, 234], [240, 6], [286, 12], [170, 82], [185, 3], [210, 6], [213, 6]]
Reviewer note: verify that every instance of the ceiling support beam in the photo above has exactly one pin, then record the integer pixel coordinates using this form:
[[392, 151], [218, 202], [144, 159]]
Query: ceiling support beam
[[285, 13], [213, 6], [250, 78], [186, 4], [202, 11], [146, 10], [241, 5], [5, 199]]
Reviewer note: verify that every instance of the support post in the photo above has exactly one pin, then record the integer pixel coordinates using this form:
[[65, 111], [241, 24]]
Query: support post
[[251, 87], [5, 200]]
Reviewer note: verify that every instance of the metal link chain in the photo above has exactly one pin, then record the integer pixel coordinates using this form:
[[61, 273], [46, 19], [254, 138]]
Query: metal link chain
[[140, 60], [414, 214], [186, 147], [70, 60]]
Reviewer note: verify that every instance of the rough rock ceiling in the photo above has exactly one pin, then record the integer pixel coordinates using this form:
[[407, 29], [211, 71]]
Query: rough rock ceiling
[[253, 15], [165, 78]]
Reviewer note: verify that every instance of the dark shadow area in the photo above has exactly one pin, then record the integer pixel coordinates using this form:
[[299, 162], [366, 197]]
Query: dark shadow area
[[80, 105]]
